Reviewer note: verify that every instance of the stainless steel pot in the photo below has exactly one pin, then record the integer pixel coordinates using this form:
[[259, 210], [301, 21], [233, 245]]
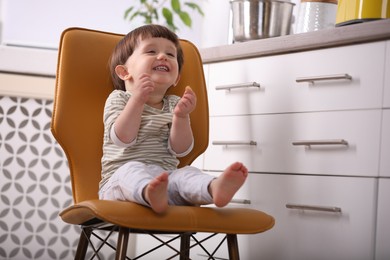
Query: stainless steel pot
[[257, 19]]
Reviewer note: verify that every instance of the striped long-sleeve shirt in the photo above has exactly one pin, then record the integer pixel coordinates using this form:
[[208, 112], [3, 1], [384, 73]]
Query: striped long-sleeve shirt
[[151, 145]]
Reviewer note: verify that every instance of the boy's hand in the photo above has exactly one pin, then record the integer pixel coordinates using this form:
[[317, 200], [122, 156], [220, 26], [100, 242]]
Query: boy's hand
[[143, 87], [186, 104]]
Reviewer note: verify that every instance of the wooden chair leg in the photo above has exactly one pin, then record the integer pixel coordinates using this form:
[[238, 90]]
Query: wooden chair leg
[[233, 247], [83, 243], [185, 246], [121, 247]]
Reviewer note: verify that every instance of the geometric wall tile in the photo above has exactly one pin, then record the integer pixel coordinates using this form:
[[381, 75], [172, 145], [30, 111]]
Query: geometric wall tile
[[34, 184]]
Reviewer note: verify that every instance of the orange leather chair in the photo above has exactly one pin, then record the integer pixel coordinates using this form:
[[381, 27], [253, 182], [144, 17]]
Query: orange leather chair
[[82, 86]]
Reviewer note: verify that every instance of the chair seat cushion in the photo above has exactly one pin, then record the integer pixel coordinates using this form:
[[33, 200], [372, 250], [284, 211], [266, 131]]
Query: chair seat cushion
[[175, 219]]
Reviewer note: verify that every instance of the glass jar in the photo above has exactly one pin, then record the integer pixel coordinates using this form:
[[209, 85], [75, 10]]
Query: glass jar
[[314, 15]]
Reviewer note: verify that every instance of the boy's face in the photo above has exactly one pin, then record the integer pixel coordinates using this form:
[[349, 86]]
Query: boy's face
[[156, 57]]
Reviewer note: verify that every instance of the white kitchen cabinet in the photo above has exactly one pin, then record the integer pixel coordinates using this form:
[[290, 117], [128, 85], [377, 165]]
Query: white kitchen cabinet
[[279, 92], [265, 143], [383, 225], [312, 234], [263, 115]]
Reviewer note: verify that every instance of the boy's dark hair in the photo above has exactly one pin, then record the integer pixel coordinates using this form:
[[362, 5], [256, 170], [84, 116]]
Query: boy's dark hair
[[125, 48]]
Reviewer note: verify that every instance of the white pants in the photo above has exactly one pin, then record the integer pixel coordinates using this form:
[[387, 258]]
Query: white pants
[[186, 186]]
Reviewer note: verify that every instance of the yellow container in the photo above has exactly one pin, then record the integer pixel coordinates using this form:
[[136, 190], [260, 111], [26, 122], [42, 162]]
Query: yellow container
[[356, 11]]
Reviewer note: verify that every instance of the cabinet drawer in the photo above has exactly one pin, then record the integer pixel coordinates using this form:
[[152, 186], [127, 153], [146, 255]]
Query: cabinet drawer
[[265, 143], [279, 91], [312, 234]]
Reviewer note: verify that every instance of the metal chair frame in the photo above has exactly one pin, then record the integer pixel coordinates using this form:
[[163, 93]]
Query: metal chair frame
[[87, 231]]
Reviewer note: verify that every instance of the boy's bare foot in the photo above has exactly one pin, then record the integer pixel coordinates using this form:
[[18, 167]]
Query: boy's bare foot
[[156, 193], [223, 188]]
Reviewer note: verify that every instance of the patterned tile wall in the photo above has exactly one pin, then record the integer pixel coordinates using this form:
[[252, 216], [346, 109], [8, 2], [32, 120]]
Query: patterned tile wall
[[34, 184]]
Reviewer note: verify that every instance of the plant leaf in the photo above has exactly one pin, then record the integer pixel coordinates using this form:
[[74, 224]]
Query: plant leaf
[[168, 16], [155, 15], [176, 6], [185, 17], [195, 7], [128, 11], [135, 14]]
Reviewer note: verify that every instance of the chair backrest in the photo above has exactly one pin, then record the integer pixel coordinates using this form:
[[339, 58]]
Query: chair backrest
[[82, 86]]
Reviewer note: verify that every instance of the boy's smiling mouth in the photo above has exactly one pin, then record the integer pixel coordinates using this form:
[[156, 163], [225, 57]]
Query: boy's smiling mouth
[[161, 68]]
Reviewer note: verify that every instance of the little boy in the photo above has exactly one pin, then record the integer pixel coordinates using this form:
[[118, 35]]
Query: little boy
[[145, 130]]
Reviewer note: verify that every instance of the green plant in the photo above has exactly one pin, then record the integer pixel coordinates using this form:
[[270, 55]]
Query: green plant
[[152, 10]]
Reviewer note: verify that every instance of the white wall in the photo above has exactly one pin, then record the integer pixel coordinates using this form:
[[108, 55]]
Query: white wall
[[39, 23]]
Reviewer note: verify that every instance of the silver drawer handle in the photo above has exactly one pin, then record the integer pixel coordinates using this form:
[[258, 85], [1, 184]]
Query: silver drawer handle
[[234, 143], [321, 142], [241, 85], [241, 201], [316, 208], [323, 78]]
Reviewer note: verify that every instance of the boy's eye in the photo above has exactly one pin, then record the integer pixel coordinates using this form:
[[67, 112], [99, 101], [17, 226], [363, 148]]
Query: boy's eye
[[171, 55]]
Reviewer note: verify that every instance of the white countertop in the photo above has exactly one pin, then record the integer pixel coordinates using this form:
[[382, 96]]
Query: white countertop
[[351, 34], [28, 61]]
